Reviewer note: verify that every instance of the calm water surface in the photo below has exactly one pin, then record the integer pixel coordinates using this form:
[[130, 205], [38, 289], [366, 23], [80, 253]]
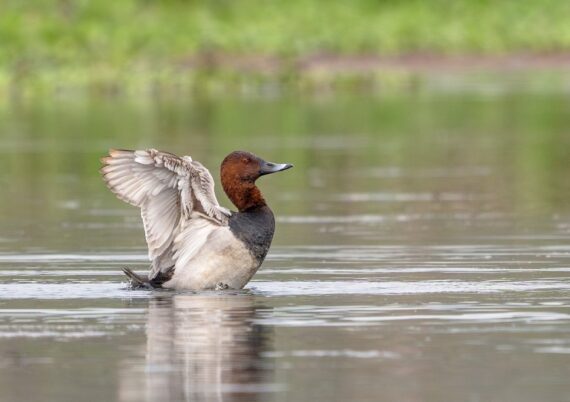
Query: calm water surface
[[422, 253]]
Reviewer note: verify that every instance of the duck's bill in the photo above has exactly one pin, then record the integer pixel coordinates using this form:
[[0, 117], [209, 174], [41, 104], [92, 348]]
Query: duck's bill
[[269, 167]]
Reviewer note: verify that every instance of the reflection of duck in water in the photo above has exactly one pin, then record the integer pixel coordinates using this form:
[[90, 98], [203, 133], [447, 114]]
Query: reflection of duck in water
[[204, 347], [193, 242]]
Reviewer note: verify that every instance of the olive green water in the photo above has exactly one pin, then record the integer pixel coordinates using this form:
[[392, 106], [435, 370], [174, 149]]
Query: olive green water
[[422, 253]]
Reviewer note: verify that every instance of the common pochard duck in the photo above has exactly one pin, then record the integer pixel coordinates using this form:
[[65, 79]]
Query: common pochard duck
[[193, 242]]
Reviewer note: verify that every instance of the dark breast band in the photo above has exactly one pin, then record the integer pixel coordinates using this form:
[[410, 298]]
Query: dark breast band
[[255, 228]]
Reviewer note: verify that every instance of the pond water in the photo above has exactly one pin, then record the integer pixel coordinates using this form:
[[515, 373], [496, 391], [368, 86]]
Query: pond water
[[422, 252]]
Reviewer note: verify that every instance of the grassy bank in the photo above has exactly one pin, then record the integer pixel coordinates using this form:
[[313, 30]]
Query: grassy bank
[[48, 43]]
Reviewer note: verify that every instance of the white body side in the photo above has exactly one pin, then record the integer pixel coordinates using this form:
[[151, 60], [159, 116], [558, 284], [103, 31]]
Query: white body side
[[208, 254]]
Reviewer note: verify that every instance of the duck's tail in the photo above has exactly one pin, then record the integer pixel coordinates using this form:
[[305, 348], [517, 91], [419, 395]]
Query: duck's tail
[[136, 280]]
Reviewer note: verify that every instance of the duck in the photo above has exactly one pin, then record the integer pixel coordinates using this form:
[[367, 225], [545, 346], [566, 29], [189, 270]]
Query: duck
[[193, 242]]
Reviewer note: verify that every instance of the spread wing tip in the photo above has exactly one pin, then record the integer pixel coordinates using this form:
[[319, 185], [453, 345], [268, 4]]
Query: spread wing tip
[[119, 151], [105, 159]]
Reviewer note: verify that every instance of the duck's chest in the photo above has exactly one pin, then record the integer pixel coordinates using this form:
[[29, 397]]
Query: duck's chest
[[255, 229]]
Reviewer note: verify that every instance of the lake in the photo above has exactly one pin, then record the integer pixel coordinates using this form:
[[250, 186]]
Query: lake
[[422, 252]]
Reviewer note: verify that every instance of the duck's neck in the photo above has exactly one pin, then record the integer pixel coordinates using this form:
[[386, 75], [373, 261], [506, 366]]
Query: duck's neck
[[244, 195]]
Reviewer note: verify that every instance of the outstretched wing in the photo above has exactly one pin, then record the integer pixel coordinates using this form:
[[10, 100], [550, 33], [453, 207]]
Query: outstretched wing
[[167, 188]]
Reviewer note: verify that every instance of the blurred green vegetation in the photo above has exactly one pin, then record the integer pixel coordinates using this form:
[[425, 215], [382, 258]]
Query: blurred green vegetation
[[62, 43]]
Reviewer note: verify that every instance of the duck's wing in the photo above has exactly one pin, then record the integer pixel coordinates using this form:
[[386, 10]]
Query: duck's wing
[[167, 189]]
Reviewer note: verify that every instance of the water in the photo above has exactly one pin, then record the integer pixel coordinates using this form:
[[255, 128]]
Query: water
[[422, 253]]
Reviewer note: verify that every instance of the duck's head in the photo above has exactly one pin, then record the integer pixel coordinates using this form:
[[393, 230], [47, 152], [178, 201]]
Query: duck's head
[[242, 166], [239, 171]]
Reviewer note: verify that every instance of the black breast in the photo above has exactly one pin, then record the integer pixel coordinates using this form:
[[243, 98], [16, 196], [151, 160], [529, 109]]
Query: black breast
[[255, 228]]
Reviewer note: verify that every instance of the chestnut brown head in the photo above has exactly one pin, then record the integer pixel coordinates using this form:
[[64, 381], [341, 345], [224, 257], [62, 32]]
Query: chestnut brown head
[[240, 170], [246, 167]]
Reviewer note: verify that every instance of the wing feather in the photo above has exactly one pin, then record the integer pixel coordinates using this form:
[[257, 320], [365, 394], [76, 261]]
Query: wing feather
[[203, 188], [160, 219], [191, 239], [164, 186]]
